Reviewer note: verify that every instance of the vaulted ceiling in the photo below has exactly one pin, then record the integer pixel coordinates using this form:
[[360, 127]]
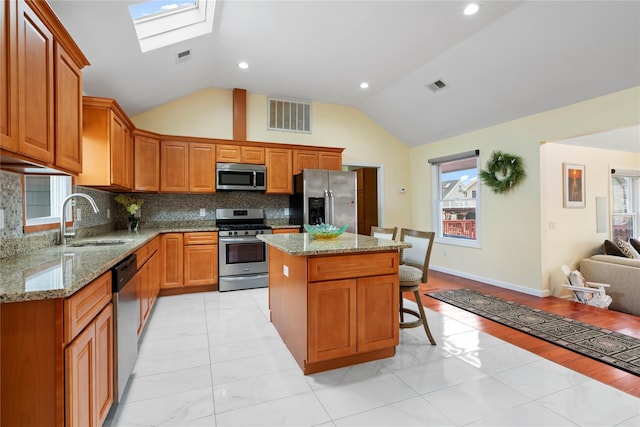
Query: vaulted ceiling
[[511, 59]]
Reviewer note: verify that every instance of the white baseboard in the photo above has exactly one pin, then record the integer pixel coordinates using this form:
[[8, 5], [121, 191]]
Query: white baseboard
[[488, 281]]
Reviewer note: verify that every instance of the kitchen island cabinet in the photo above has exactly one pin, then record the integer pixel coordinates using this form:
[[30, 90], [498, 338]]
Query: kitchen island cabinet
[[334, 302]]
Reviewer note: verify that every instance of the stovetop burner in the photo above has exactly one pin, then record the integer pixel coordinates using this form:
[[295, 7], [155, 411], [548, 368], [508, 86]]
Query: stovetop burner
[[247, 221], [225, 227]]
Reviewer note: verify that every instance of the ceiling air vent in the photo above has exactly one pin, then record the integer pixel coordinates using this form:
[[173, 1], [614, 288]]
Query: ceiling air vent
[[183, 56], [437, 85], [288, 115]]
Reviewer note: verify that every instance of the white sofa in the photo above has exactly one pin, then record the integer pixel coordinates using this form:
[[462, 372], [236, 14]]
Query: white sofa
[[623, 274]]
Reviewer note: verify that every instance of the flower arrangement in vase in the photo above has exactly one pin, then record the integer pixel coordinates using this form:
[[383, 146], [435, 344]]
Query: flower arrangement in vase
[[132, 205]]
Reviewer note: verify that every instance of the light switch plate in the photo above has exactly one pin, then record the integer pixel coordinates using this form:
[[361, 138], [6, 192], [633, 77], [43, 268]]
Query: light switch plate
[[78, 214], [1, 219], [203, 211]]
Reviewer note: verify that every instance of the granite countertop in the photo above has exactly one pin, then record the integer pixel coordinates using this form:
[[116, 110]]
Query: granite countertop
[[59, 271], [302, 244]]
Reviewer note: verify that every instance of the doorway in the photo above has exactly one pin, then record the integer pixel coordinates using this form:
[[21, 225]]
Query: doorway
[[367, 197]]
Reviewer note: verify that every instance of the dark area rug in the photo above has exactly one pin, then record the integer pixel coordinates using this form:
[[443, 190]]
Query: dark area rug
[[612, 348]]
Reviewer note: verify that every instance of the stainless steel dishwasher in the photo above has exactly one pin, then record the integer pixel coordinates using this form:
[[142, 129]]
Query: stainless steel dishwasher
[[127, 314]]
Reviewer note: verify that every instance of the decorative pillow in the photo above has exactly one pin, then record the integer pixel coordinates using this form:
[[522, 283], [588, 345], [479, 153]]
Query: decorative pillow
[[577, 279], [627, 249], [610, 248], [635, 243]]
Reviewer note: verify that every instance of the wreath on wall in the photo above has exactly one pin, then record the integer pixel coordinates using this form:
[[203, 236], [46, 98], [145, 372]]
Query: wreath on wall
[[503, 172]]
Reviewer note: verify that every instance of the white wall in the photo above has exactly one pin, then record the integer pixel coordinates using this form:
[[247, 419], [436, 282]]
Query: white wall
[[512, 224], [209, 113], [570, 234]]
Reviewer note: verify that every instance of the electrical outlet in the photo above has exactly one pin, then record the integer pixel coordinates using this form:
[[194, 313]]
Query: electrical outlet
[[78, 214], [402, 190], [108, 213], [286, 211], [1, 219], [203, 211], [285, 270]]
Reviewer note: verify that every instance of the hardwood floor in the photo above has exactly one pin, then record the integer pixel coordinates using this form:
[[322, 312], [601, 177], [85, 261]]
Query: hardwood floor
[[609, 319]]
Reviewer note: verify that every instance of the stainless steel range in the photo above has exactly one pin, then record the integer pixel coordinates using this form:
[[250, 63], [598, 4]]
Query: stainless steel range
[[242, 260]]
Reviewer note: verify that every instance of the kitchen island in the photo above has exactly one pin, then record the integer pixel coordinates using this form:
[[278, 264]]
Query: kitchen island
[[334, 302]]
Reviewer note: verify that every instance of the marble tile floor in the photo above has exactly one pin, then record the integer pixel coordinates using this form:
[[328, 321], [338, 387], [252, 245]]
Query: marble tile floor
[[213, 359]]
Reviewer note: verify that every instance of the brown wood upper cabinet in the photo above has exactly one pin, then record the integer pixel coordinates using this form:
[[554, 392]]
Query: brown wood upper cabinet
[[187, 167], [40, 89], [146, 169], [107, 155], [240, 154], [279, 168], [316, 159]]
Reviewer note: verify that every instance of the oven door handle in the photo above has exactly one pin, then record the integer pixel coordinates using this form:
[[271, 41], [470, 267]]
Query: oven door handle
[[239, 239]]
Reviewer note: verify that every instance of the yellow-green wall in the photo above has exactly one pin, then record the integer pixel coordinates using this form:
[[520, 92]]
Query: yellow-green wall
[[209, 113], [515, 251]]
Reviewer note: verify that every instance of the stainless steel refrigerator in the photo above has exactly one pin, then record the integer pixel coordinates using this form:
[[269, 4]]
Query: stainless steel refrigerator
[[324, 197]]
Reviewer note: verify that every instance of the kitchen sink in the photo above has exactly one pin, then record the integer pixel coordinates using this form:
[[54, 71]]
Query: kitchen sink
[[101, 242]]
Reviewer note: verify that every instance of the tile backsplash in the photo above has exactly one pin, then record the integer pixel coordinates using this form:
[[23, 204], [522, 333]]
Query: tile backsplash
[[158, 211]]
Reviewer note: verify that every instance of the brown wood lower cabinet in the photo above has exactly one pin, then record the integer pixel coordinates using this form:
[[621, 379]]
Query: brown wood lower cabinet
[[89, 373], [148, 279], [189, 260], [56, 359], [336, 310]]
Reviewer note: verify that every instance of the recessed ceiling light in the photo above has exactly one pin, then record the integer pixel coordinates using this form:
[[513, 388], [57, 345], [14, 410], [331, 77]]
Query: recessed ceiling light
[[243, 65], [471, 9], [364, 85]]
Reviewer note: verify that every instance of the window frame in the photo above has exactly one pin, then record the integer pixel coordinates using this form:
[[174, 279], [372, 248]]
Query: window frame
[[49, 222], [437, 200], [633, 206]]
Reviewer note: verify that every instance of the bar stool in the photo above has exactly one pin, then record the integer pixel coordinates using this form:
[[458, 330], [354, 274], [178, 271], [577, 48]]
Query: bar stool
[[414, 265], [384, 233]]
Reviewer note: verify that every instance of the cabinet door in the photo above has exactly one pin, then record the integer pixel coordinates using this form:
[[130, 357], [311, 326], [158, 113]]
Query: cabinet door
[[253, 155], [128, 158], [68, 148], [304, 159], [8, 77], [330, 160], [142, 291], [279, 171], [202, 168], [35, 86], [103, 377], [174, 166], [146, 170], [171, 260], [79, 386], [118, 149], [331, 319], [378, 299], [154, 279], [228, 153], [200, 265]]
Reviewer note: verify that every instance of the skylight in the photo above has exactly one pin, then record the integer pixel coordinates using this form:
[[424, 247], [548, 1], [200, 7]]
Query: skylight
[[148, 9], [160, 23]]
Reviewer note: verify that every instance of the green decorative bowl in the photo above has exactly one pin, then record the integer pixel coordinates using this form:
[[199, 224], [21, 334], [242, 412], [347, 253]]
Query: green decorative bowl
[[325, 231]]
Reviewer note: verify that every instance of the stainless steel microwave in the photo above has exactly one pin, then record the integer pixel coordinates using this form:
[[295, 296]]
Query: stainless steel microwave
[[240, 176]]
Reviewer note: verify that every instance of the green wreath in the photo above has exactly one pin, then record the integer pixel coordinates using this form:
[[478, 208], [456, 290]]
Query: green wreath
[[509, 168]]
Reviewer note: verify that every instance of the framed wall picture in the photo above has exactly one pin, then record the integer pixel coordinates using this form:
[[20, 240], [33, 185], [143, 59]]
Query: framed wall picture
[[574, 188]]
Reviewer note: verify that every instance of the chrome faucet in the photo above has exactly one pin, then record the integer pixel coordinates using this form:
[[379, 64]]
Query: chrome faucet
[[62, 238]]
